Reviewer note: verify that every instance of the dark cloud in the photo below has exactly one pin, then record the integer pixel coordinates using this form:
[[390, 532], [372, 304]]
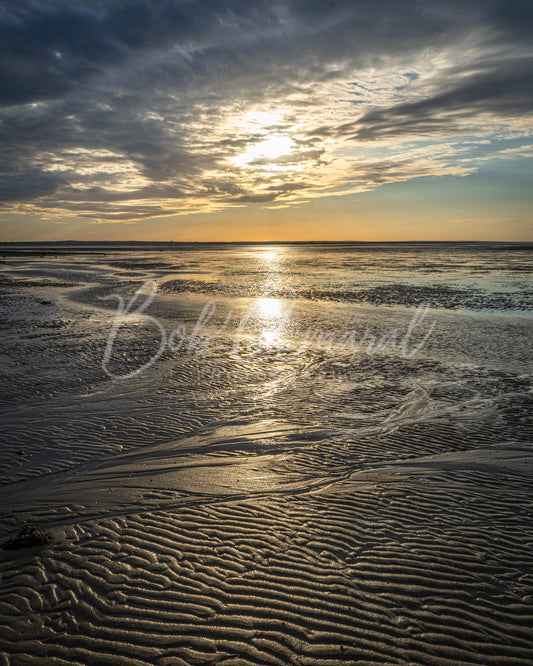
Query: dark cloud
[[27, 186], [499, 89], [516, 17], [49, 48], [119, 108]]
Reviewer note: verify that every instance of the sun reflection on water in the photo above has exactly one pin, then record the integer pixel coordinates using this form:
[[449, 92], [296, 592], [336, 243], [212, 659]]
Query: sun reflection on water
[[269, 255], [269, 308], [269, 320], [270, 313]]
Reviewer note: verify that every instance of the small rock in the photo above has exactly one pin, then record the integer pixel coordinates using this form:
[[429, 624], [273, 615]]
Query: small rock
[[27, 537]]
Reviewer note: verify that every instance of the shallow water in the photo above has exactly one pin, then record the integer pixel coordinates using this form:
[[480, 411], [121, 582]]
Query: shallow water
[[279, 381]]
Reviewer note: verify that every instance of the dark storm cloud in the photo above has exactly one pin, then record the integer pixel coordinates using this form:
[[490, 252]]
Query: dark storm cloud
[[94, 93]]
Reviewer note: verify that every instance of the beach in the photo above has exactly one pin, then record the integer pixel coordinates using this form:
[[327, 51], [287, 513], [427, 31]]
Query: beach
[[315, 453]]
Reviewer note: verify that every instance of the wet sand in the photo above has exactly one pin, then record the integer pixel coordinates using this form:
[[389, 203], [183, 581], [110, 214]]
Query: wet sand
[[289, 503]]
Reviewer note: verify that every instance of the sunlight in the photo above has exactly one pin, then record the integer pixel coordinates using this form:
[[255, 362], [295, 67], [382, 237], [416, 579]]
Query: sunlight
[[269, 255], [271, 148], [269, 311], [271, 338], [263, 121], [269, 308]]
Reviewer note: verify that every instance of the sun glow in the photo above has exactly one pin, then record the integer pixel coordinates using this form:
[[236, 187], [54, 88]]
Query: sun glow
[[270, 149], [269, 308], [269, 318], [269, 256]]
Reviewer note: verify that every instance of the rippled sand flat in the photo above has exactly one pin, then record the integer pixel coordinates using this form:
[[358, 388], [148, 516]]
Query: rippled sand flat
[[285, 484]]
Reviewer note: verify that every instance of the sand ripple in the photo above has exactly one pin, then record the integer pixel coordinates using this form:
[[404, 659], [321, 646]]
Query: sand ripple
[[288, 505], [389, 570]]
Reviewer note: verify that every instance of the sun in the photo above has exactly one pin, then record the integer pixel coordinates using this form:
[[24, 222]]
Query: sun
[[271, 148]]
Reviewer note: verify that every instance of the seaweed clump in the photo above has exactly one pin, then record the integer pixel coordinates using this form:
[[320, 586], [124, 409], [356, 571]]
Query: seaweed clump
[[29, 536]]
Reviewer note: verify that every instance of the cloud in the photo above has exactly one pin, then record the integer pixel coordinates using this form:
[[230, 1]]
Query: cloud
[[487, 91], [128, 110]]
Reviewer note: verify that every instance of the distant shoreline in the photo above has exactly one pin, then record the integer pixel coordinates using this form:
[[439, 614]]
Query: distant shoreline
[[42, 248]]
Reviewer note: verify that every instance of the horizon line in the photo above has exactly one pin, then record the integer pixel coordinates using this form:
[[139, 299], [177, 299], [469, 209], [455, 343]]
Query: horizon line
[[255, 242]]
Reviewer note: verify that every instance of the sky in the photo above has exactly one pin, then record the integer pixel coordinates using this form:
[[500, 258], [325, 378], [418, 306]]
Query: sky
[[226, 120]]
